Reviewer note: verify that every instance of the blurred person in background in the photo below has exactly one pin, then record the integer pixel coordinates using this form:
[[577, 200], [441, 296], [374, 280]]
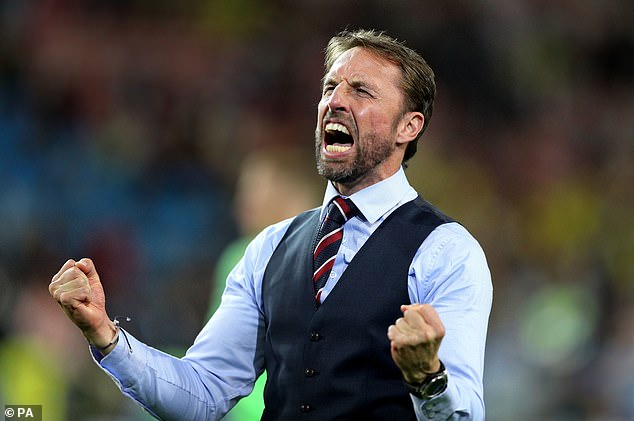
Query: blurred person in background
[[335, 343], [264, 176]]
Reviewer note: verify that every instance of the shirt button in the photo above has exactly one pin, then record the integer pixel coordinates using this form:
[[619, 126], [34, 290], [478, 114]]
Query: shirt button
[[315, 336], [305, 407], [309, 372], [333, 274]]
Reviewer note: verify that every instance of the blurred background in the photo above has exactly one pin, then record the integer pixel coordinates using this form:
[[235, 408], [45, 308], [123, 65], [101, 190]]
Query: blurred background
[[131, 130]]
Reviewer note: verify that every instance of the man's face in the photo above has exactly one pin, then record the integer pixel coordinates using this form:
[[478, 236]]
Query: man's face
[[361, 104]]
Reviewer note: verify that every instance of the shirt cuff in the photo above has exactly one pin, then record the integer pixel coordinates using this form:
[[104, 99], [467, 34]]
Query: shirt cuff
[[442, 407], [126, 362]]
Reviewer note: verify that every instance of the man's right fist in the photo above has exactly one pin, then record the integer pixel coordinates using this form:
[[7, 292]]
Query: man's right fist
[[76, 287]]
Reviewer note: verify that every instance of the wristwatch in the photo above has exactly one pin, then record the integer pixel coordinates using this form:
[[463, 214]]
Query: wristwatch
[[433, 385]]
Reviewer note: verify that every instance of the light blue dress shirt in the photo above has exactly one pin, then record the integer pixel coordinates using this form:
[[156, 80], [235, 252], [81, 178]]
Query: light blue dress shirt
[[449, 271]]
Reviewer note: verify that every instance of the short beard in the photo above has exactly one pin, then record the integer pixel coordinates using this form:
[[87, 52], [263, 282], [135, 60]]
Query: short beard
[[366, 159]]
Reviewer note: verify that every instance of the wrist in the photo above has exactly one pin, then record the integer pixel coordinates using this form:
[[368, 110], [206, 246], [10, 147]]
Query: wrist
[[105, 350], [104, 337], [418, 376]]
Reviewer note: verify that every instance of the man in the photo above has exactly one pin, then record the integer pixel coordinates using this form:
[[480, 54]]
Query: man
[[378, 310]]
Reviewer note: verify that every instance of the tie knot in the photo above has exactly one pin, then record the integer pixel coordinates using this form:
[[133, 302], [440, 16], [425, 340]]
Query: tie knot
[[341, 209]]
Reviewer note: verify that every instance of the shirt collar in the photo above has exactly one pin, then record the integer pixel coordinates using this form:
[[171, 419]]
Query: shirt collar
[[376, 200]]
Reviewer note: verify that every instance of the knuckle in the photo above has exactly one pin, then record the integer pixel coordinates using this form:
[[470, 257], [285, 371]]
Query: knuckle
[[86, 261], [396, 344], [441, 332], [429, 310], [65, 296], [66, 299], [57, 295]]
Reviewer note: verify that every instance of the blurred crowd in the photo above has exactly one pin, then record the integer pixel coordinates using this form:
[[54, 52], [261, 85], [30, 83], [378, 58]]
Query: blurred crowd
[[126, 125]]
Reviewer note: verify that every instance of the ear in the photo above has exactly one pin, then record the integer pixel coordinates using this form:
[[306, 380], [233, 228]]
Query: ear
[[409, 127]]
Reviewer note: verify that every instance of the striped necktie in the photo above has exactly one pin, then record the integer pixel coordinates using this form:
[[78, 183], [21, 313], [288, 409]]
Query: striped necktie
[[328, 241]]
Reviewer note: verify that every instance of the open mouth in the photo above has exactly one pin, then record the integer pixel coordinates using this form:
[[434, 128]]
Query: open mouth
[[337, 138]]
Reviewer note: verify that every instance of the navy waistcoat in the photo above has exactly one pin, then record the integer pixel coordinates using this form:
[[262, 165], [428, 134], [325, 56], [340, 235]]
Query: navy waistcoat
[[333, 362]]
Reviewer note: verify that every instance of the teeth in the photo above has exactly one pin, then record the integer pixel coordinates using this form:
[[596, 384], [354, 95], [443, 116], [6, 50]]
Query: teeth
[[337, 148], [336, 127]]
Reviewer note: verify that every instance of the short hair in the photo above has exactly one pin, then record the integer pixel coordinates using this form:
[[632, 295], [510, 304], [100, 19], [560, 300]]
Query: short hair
[[417, 80]]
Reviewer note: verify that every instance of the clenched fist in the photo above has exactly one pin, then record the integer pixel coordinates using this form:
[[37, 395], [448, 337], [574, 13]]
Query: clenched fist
[[76, 287], [414, 341]]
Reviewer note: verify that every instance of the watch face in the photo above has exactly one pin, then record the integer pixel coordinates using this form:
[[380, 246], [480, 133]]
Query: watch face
[[436, 386]]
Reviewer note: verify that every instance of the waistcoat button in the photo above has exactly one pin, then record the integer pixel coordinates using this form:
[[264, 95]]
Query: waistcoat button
[[309, 372], [315, 336], [305, 407]]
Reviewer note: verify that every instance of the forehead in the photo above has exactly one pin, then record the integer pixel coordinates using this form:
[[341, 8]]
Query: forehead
[[361, 64]]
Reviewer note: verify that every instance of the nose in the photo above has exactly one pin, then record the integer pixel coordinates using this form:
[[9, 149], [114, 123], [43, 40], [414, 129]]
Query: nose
[[337, 100]]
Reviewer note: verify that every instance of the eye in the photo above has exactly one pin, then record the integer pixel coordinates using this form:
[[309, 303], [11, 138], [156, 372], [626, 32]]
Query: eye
[[363, 92], [328, 89]]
